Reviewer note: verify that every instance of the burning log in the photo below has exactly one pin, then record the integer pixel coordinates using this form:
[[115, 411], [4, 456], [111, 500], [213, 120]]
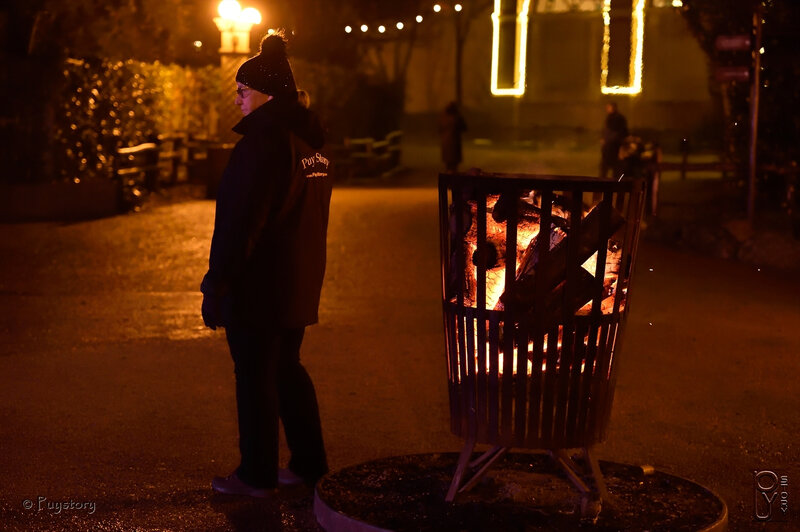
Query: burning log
[[552, 270], [531, 256], [555, 301], [525, 209], [503, 208], [487, 255]]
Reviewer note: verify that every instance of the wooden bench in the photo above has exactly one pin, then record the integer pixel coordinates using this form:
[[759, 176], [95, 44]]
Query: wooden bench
[[196, 159], [137, 168], [149, 166], [684, 167], [360, 156], [172, 158], [395, 148], [368, 157]]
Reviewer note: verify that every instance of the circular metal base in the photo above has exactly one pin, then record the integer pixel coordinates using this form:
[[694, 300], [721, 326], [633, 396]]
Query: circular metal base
[[523, 491]]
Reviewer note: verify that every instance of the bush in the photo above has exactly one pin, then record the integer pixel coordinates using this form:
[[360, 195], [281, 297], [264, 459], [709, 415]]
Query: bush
[[105, 105]]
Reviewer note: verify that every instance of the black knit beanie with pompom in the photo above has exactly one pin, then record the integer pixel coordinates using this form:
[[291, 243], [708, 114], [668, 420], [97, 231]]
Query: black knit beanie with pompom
[[269, 71]]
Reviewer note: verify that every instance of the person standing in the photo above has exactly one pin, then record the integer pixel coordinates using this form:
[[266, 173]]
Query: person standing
[[451, 125], [266, 267], [615, 129]]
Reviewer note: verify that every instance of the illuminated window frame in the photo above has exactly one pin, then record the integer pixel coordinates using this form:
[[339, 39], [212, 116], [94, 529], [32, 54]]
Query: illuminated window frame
[[520, 53], [637, 45]]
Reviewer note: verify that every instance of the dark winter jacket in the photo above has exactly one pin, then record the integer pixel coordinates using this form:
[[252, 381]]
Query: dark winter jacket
[[614, 132], [267, 259]]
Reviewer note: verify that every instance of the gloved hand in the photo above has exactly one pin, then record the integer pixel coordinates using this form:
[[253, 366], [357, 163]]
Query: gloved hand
[[212, 311]]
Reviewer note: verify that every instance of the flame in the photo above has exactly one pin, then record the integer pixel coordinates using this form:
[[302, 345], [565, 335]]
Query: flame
[[527, 230], [496, 234], [529, 365]]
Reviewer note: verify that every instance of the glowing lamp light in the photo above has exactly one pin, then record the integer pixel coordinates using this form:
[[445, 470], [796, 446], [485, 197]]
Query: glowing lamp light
[[270, 31], [437, 8], [521, 50], [382, 29], [419, 18], [229, 9], [250, 15], [348, 29], [677, 3], [231, 14], [198, 44], [637, 42], [234, 24], [364, 28], [400, 26], [457, 7]]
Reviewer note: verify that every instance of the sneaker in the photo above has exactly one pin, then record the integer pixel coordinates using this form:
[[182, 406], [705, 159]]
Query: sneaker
[[287, 478], [233, 485]]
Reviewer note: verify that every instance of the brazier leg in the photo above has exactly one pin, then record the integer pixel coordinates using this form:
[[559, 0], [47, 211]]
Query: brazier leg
[[498, 452], [463, 463], [485, 456], [599, 481], [570, 468]]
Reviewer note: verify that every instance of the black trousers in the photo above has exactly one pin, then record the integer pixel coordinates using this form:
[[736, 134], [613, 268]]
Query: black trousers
[[271, 383], [609, 161]]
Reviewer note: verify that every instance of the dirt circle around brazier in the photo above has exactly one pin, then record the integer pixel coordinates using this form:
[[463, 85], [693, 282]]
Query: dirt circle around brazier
[[522, 492]]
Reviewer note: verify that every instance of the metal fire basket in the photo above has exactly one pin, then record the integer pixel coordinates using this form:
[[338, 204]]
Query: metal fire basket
[[533, 330]]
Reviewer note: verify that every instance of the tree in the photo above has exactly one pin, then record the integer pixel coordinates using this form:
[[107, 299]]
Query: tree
[[462, 20], [39, 35], [374, 63], [146, 30], [779, 121], [708, 20]]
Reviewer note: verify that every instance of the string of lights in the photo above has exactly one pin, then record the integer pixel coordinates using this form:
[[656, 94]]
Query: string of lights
[[637, 45], [520, 50], [517, 87], [399, 25]]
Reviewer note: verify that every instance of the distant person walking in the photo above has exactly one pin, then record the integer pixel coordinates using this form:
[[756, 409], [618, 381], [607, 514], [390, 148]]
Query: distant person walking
[[266, 266], [615, 130], [451, 125]]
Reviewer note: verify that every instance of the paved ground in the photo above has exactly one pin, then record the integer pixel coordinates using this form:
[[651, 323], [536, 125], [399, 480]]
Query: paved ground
[[116, 403]]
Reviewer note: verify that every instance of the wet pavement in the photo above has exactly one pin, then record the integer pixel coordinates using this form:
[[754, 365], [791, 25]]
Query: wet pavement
[[117, 406]]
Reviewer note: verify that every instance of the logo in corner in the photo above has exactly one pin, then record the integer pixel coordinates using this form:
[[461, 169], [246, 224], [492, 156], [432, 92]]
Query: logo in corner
[[770, 496]]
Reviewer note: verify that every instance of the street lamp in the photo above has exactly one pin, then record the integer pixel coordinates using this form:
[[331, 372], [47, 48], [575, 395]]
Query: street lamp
[[234, 24]]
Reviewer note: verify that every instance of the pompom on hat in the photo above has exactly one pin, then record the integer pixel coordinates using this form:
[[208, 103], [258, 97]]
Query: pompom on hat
[[269, 71]]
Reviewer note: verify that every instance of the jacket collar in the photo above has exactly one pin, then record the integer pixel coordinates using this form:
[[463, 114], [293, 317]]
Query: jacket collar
[[264, 117], [282, 114]]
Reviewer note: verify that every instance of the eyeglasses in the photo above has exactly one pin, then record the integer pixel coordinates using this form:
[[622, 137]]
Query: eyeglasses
[[241, 91]]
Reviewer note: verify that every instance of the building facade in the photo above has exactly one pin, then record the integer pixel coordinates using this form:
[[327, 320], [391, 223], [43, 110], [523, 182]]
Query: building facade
[[577, 55]]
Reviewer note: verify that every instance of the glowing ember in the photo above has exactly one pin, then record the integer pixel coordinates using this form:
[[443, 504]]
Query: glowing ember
[[494, 257], [528, 229], [529, 366]]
